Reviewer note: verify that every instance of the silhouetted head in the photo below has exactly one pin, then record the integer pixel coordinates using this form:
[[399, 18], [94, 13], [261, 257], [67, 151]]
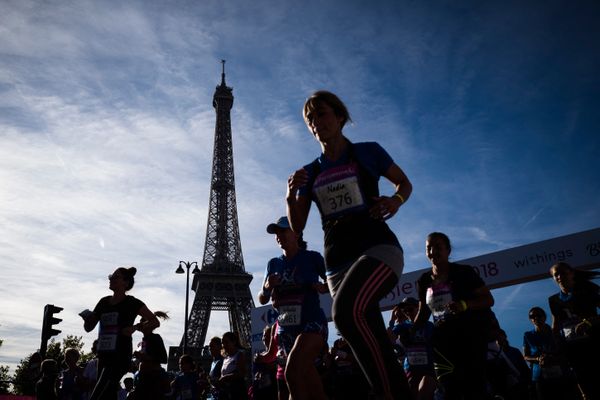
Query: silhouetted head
[[568, 277], [123, 274], [324, 97], [537, 315], [230, 343], [186, 363], [438, 248], [215, 346], [71, 357], [49, 367]]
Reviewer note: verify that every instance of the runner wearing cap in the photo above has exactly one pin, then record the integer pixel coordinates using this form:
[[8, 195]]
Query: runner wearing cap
[[292, 284]]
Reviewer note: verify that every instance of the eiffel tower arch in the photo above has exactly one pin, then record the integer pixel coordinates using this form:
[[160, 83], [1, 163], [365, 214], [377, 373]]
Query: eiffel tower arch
[[222, 283]]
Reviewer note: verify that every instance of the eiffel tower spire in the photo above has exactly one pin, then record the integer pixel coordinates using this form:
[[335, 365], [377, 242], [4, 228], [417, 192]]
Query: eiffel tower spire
[[222, 283]]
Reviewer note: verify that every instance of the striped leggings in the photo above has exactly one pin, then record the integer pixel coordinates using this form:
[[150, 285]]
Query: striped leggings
[[357, 316]]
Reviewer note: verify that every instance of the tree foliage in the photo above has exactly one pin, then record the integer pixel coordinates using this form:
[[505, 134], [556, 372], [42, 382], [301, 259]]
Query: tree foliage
[[4, 377], [26, 375]]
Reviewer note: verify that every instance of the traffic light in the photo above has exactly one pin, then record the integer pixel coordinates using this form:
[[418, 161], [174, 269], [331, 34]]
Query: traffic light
[[47, 326]]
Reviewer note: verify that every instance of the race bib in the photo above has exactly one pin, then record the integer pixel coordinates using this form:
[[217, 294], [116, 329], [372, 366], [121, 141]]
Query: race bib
[[109, 323], [417, 355], [107, 342], [289, 315], [337, 191], [438, 298], [110, 319]]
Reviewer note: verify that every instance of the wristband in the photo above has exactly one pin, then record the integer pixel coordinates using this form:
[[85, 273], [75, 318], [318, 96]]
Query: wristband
[[588, 323], [398, 195], [463, 305]]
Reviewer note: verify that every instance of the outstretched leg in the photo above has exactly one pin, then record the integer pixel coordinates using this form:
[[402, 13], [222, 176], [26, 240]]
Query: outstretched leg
[[356, 314], [301, 373]]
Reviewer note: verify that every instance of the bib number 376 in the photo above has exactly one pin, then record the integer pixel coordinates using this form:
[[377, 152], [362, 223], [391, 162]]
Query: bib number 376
[[339, 196]]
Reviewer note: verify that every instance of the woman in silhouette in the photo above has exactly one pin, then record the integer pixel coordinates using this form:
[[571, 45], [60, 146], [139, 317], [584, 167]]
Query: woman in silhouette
[[363, 257], [116, 315]]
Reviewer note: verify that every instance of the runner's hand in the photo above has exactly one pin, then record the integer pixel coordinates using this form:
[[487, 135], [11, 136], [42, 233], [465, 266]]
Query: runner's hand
[[385, 207], [295, 181]]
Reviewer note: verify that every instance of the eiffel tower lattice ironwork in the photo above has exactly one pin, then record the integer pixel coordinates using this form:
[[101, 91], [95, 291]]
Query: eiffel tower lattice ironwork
[[222, 283]]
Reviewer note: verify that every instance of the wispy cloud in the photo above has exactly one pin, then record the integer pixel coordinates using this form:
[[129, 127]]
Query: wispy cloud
[[533, 218], [106, 135]]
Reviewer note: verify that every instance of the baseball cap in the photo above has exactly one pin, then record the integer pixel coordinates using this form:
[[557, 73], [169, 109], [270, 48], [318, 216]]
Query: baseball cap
[[282, 223]]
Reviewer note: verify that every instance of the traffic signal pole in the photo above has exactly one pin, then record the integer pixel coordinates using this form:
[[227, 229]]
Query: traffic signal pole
[[47, 326]]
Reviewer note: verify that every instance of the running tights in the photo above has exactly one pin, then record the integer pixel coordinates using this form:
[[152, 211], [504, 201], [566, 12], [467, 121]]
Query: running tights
[[357, 316]]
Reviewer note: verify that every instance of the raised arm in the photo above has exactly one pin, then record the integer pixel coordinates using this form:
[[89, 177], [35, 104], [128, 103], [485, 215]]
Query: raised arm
[[150, 321], [401, 183], [422, 315], [267, 289], [297, 206]]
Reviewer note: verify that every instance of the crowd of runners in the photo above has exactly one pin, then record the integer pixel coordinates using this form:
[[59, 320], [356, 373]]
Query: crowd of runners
[[445, 344]]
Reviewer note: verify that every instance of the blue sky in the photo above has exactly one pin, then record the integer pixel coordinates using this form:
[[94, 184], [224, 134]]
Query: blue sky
[[106, 135]]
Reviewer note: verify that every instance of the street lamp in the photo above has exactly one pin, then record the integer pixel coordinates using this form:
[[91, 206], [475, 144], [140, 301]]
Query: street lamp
[[180, 270]]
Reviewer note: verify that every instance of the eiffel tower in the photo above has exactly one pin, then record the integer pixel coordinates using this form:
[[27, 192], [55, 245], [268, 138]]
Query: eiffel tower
[[222, 284]]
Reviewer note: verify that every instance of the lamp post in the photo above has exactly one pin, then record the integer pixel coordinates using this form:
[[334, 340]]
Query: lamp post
[[180, 270]]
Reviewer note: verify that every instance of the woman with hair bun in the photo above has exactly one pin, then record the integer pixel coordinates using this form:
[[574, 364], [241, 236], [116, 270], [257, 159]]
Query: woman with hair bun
[[575, 320], [116, 315]]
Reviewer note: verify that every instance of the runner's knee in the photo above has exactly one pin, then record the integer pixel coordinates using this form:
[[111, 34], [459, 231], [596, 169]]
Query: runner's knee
[[342, 313]]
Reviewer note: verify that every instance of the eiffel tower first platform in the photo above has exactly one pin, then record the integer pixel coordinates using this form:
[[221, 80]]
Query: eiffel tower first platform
[[222, 284]]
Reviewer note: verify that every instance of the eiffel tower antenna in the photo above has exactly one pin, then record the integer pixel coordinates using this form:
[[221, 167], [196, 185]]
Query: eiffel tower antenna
[[222, 283]]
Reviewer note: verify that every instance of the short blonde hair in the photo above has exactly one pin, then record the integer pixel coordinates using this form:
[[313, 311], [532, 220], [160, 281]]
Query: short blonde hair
[[323, 96]]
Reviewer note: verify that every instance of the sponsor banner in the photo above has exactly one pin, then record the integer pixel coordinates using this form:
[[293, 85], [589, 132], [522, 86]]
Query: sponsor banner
[[517, 265], [499, 269]]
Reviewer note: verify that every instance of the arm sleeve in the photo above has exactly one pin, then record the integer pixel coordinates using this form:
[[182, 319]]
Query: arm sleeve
[[99, 307], [138, 304], [382, 159], [467, 281]]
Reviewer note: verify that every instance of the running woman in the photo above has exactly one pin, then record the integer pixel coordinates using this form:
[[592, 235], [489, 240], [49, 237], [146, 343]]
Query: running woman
[[461, 307], [292, 283], [363, 257], [575, 320]]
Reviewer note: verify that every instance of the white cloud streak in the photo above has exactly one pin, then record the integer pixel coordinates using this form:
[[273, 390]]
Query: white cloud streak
[[106, 135]]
